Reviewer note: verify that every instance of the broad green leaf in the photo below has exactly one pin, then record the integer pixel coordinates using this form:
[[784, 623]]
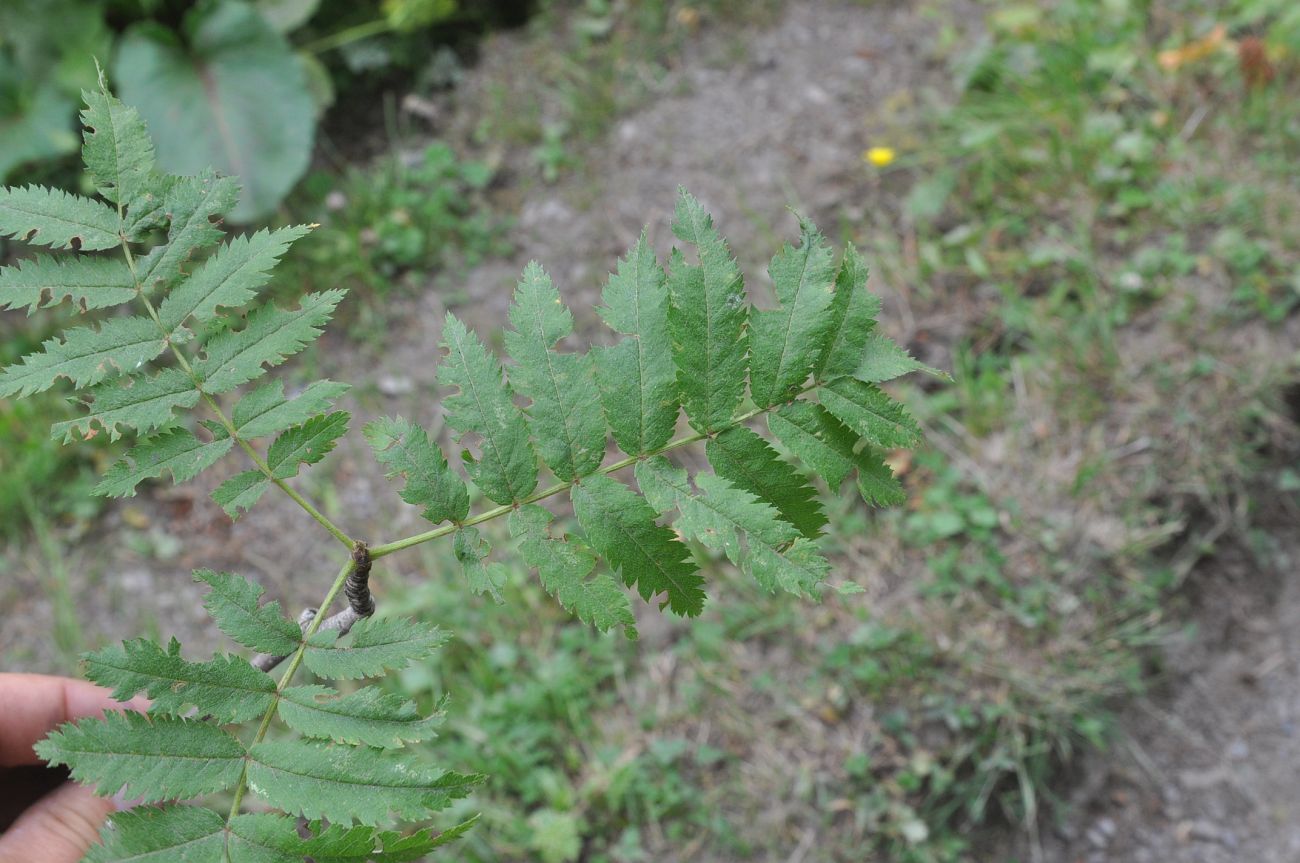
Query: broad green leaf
[[140, 403], [638, 384], [270, 337], [566, 421], [226, 688], [851, 318], [564, 567], [153, 758], [229, 278], [49, 217], [787, 342], [406, 451], [191, 204], [344, 783], [177, 451], [506, 469], [374, 645], [777, 556], [264, 837], [174, 834], [232, 602], [117, 152], [621, 526], [207, 100], [241, 492], [706, 320], [883, 359], [819, 440], [36, 129], [85, 356], [90, 282], [869, 411], [266, 411], [367, 717], [744, 458], [876, 481], [472, 551]]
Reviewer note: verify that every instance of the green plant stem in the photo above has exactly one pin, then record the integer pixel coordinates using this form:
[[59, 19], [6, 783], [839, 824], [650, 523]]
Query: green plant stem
[[294, 662], [225, 421], [347, 36]]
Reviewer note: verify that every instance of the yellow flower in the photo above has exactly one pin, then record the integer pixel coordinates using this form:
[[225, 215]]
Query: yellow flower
[[879, 156]]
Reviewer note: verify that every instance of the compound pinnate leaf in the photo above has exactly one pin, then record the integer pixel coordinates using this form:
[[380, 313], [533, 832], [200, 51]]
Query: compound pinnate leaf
[[139, 403], [368, 717], [706, 320], [565, 568], [883, 360], [227, 688], [787, 342], [153, 758], [472, 551], [869, 411], [742, 457], [851, 318], [118, 153], [374, 645], [266, 411], [621, 526], [49, 217], [177, 451], [506, 469], [43, 281], [567, 422], [233, 604], [174, 834], [347, 783], [406, 451], [638, 384], [85, 356], [265, 837]]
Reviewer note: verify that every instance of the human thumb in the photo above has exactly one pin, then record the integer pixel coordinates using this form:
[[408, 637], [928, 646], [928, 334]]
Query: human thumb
[[58, 828]]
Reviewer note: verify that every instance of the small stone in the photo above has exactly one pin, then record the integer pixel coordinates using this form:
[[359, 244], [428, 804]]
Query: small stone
[[1238, 750], [1107, 828], [335, 201], [395, 385], [1096, 838]]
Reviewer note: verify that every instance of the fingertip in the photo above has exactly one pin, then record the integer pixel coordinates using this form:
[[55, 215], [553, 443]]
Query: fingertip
[[59, 828]]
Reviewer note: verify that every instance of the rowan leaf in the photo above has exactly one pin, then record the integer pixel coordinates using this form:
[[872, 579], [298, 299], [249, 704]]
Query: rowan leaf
[[851, 318], [876, 480], [85, 356], [883, 359], [50, 217], [233, 604], [869, 411], [177, 451], [241, 492], [636, 378], [706, 320], [152, 758], [374, 645], [506, 469], [266, 411], [748, 461], [566, 421], [174, 834], [191, 204], [472, 550], [90, 282], [227, 688], [787, 342], [307, 443], [818, 439], [564, 567], [117, 151], [406, 451], [367, 717], [264, 837], [621, 526], [346, 783], [140, 403]]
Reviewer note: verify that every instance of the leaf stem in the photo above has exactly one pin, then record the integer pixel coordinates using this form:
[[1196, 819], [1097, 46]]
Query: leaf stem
[[347, 36]]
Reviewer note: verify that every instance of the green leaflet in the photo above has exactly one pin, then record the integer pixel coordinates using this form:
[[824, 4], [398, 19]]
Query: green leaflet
[[85, 356], [824, 443], [564, 566], [506, 470], [117, 151], [786, 343], [706, 320], [227, 687], [140, 403], [621, 526], [744, 458], [43, 281], [368, 717], [229, 278], [342, 783], [472, 550], [883, 360], [406, 451], [307, 443], [191, 204], [268, 838], [271, 336], [49, 217], [177, 451], [241, 492], [637, 381], [232, 602], [876, 481], [871, 413], [265, 410], [777, 556], [375, 644], [566, 421], [851, 318], [175, 834], [156, 758]]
